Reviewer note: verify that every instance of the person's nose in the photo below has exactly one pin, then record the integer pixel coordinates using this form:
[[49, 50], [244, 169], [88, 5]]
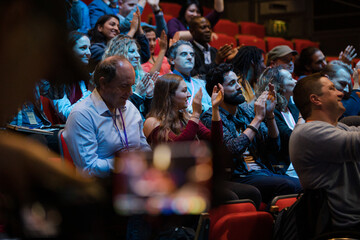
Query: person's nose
[[87, 52], [323, 63], [188, 94], [340, 94], [237, 86]]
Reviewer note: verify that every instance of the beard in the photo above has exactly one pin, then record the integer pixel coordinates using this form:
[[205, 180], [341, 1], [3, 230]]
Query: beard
[[235, 98]]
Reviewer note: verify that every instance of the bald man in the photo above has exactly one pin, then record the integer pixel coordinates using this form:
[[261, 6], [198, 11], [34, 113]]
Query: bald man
[[105, 123]]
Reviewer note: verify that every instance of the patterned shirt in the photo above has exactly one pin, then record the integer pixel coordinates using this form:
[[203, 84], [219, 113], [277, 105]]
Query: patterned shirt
[[237, 143]]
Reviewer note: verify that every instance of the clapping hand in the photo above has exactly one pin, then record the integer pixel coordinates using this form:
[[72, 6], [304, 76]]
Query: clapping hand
[[348, 54], [217, 96]]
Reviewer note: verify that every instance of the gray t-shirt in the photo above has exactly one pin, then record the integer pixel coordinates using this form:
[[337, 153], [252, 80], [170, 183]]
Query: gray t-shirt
[[328, 157]]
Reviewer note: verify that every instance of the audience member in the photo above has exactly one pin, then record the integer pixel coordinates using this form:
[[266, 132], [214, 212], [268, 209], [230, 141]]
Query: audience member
[[286, 113], [168, 121], [123, 45], [248, 65], [247, 137], [206, 57], [324, 152], [340, 75], [181, 58], [312, 60], [162, 66], [78, 91], [135, 32], [78, 16], [190, 9], [106, 27], [281, 56], [99, 8], [106, 123]]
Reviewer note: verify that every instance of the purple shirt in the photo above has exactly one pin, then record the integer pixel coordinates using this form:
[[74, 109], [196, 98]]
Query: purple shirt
[[175, 24]]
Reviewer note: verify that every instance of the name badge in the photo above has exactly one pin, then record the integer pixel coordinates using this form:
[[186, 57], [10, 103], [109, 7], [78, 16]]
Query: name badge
[[31, 117]]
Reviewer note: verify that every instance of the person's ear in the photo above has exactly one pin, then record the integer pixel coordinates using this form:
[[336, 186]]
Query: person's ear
[[102, 83], [99, 28], [314, 99], [172, 62]]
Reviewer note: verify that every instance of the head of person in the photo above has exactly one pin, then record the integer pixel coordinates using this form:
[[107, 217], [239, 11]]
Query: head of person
[[106, 27], [317, 93], [181, 57], [151, 37], [114, 78], [249, 63], [340, 75], [311, 60], [283, 84], [200, 29], [123, 45], [80, 44], [281, 56], [190, 9], [126, 6], [169, 103], [224, 75]]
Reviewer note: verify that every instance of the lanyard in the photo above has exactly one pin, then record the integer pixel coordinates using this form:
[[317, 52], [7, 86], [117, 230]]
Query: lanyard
[[192, 92], [126, 143]]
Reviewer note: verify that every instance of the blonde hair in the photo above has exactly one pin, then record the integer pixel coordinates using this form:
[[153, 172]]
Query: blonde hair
[[120, 45]]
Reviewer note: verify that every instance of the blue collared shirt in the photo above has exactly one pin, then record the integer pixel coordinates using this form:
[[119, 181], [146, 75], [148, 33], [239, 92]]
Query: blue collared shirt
[[93, 139], [193, 86]]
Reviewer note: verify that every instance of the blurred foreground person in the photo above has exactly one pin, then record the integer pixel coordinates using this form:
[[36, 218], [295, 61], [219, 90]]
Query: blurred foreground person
[[37, 193]]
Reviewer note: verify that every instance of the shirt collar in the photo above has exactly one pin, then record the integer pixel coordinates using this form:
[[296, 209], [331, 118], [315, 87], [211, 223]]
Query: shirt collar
[[186, 78], [202, 48]]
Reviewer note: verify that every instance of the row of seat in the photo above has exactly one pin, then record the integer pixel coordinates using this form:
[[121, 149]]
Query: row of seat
[[238, 34], [240, 220]]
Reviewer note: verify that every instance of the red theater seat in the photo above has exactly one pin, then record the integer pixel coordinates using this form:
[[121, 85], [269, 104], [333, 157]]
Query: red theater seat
[[284, 201], [206, 10], [243, 225], [64, 151], [300, 44], [222, 40], [272, 42], [170, 8], [226, 26], [50, 111], [251, 28], [331, 58], [249, 40]]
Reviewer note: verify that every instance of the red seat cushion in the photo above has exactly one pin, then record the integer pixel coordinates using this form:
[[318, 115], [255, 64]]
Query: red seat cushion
[[251, 28], [226, 26]]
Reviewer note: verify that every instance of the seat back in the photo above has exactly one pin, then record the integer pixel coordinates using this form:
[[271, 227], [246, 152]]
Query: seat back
[[250, 40], [251, 28], [222, 40], [243, 205], [300, 44], [50, 111], [170, 8], [226, 26], [243, 225], [272, 42], [284, 201], [64, 151]]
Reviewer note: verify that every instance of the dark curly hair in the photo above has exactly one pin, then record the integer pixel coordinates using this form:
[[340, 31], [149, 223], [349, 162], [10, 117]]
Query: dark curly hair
[[244, 59], [216, 75], [304, 59]]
